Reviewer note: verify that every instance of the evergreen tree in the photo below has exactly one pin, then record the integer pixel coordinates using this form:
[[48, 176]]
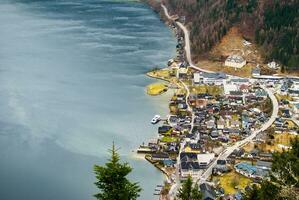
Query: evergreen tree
[[284, 179], [112, 181], [187, 192], [195, 193]]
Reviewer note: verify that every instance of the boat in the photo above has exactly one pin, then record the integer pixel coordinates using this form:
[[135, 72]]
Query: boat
[[156, 119]]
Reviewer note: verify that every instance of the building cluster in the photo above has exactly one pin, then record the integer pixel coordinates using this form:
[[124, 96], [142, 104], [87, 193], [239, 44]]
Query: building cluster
[[217, 111], [223, 110]]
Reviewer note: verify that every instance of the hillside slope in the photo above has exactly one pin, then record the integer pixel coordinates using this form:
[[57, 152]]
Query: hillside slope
[[272, 24]]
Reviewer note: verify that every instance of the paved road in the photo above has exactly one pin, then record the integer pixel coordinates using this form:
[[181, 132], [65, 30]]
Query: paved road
[[241, 143], [238, 144], [189, 106], [187, 42], [177, 185]]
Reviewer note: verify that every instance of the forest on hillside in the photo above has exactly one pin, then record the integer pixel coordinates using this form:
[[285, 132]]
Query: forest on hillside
[[273, 24]]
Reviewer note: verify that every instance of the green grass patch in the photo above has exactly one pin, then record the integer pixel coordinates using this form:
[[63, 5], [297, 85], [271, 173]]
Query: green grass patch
[[169, 139]]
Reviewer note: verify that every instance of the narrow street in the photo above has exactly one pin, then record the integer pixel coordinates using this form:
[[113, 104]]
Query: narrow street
[[226, 152]]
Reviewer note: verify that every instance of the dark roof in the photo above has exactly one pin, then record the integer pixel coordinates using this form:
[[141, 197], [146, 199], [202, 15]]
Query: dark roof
[[195, 146], [256, 70], [266, 155], [168, 162], [214, 133], [260, 163], [240, 80], [218, 75], [236, 93], [208, 192], [163, 129], [190, 165], [184, 156], [160, 155], [221, 162]]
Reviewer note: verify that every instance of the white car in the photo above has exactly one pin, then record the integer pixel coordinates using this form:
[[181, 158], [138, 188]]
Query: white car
[[156, 119]]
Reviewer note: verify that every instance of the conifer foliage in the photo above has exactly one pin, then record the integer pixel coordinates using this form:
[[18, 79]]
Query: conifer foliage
[[112, 180]]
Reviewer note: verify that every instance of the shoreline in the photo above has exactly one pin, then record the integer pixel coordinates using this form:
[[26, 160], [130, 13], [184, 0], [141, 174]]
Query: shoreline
[[182, 35], [151, 75]]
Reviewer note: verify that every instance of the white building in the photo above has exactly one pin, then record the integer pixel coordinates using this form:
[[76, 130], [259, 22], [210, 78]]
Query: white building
[[229, 88], [235, 61], [182, 72], [189, 169], [256, 71], [204, 159], [196, 78], [209, 78], [273, 65]]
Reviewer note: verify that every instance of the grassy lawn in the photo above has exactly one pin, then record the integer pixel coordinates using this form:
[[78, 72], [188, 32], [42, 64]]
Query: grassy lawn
[[284, 139], [235, 117], [161, 73], [168, 132], [283, 97], [291, 124], [210, 89], [169, 139], [279, 141], [156, 88], [233, 180], [219, 67]]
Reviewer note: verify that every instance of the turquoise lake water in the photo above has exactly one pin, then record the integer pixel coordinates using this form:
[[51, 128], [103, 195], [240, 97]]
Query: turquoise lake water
[[71, 82]]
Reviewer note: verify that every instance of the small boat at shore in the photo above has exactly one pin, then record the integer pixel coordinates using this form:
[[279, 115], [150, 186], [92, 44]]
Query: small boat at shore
[[156, 119]]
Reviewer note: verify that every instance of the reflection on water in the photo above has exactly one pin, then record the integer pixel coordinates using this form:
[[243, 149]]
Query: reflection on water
[[71, 82]]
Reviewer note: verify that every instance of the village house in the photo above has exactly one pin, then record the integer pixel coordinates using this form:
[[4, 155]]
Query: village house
[[220, 167], [239, 81], [197, 79], [164, 129], [235, 61], [236, 97], [244, 88], [264, 165], [201, 103], [160, 156], [255, 72], [221, 123], [189, 165], [207, 191], [295, 109], [213, 78], [235, 124], [182, 73], [193, 148], [246, 169], [294, 89], [189, 169], [229, 88], [260, 93], [273, 65], [211, 123], [214, 134], [205, 159]]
